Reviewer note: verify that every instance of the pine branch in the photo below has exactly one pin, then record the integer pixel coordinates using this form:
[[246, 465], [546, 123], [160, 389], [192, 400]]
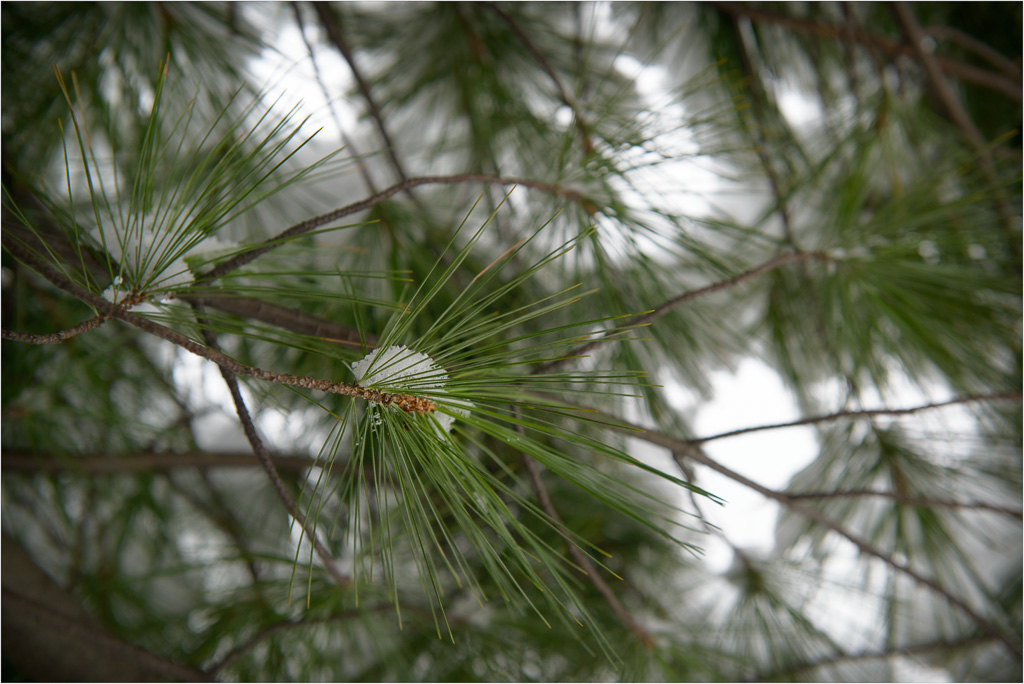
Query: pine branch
[[982, 49], [908, 500], [143, 462], [221, 517], [310, 224], [54, 337], [666, 307], [55, 243], [563, 94], [332, 25], [967, 72], [755, 86], [581, 559], [119, 658], [682, 449], [268, 465], [349, 144], [225, 362], [866, 413], [283, 317]]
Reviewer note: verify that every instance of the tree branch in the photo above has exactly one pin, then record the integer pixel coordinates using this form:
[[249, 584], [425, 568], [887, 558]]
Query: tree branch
[[867, 413], [310, 224], [267, 632], [910, 501], [209, 353], [54, 337], [682, 449], [332, 26], [55, 243], [968, 42], [143, 462], [349, 144], [563, 94], [100, 655], [282, 317], [664, 308], [581, 559], [268, 465]]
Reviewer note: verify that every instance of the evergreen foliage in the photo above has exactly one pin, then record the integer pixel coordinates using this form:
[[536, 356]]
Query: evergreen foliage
[[390, 387]]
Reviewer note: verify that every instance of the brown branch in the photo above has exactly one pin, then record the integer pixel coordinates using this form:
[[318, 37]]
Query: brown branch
[[55, 337], [867, 413], [283, 317], [332, 26], [664, 308], [310, 224], [563, 94], [968, 42], [349, 144], [55, 243], [910, 501], [760, 144], [122, 659], [245, 307], [405, 402], [967, 72], [267, 461], [581, 558], [22, 462], [684, 449]]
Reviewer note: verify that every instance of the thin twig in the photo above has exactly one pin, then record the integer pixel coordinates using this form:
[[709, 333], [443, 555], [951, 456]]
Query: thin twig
[[149, 462], [267, 461], [283, 317], [310, 224], [293, 320], [866, 413], [581, 558], [563, 94], [667, 306], [55, 337], [332, 26], [349, 144], [267, 632], [756, 132], [908, 500]]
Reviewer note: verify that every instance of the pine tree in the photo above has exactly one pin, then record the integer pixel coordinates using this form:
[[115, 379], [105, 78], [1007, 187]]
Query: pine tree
[[389, 388]]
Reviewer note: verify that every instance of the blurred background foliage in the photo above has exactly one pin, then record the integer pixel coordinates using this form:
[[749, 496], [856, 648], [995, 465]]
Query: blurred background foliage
[[879, 143]]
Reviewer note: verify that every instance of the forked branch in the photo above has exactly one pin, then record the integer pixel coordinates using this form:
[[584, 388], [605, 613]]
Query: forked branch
[[682, 449]]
